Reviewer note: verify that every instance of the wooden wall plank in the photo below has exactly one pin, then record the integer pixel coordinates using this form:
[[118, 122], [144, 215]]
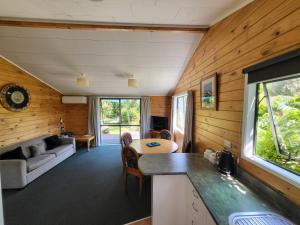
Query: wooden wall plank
[[161, 106], [261, 30]]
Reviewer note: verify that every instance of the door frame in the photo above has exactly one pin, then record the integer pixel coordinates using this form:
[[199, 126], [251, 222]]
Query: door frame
[[119, 124]]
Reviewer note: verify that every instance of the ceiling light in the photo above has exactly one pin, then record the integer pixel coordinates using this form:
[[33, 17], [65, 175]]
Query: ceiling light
[[133, 83], [82, 81]]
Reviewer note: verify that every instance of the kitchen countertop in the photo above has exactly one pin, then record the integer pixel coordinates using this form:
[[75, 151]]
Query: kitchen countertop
[[222, 195]]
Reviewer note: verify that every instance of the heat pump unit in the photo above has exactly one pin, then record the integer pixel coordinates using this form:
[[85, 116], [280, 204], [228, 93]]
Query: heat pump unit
[[74, 100]]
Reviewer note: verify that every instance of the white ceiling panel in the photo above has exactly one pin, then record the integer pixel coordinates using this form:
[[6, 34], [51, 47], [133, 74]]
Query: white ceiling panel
[[189, 12], [58, 57]]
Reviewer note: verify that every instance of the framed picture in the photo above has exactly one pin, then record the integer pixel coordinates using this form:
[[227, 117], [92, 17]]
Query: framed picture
[[208, 90]]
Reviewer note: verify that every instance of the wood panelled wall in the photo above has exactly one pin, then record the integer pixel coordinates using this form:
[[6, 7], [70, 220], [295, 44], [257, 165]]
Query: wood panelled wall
[[76, 119], [161, 106], [261, 30], [40, 118]]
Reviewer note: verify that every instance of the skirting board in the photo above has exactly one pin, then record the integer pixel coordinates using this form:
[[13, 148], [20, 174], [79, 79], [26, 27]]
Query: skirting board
[[132, 223]]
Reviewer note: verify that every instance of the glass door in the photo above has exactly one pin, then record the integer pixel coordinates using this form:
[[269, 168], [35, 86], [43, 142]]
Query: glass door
[[119, 115]]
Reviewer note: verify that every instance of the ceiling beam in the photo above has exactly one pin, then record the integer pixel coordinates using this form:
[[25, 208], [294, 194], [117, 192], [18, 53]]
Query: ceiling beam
[[103, 26]]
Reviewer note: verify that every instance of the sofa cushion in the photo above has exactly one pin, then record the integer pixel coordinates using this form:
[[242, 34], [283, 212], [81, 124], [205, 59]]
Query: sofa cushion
[[59, 150], [38, 149], [16, 153], [27, 144], [52, 142], [35, 162]]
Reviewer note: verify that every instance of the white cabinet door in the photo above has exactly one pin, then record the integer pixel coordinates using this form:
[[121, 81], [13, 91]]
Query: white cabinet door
[[169, 199], [176, 202], [197, 211]]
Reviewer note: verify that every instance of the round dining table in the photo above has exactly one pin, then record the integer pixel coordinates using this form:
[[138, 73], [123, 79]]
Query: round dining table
[[166, 146]]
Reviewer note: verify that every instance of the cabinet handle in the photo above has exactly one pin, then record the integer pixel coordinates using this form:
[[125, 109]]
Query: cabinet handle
[[194, 193], [193, 205]]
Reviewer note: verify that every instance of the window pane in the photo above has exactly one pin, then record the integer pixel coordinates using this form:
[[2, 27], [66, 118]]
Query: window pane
[[284, 97], [130, 111], [180, 114], [110, 109], [133, 130], [110, 134]]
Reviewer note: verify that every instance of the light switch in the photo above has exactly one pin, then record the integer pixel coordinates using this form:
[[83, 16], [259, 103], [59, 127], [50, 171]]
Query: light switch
[[227, 144]]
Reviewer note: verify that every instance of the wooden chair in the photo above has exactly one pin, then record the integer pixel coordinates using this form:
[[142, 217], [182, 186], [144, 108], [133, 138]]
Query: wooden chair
[[126, 140], [131, 167], [165, 134]]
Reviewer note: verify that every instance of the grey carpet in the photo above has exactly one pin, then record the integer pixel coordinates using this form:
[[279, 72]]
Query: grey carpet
[[86, 189]]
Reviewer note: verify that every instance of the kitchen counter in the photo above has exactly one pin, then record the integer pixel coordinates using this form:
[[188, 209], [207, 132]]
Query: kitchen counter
[[222, 195]]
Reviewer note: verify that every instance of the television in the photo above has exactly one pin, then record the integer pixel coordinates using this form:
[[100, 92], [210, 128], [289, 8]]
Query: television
[[159, 123]]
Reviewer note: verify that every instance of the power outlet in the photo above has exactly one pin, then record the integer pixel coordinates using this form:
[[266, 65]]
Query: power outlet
[[227, 144]]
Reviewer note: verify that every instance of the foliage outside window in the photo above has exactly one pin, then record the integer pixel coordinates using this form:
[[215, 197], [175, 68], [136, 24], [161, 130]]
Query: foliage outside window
[[119, 115], [180, 111], [120, 111], [277, 137]]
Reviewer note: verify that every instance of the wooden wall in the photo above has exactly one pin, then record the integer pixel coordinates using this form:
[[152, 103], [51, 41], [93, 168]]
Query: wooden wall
[[161, 106], [40, 118], [259, 31], [76, 119]]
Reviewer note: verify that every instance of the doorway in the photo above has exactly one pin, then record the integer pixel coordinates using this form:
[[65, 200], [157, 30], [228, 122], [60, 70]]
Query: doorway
[[119, 115]]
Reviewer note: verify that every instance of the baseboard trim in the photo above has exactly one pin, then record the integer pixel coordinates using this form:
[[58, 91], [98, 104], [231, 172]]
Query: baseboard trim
[[138, 220]]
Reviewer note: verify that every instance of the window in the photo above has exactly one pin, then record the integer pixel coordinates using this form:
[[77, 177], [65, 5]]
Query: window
[[271, 127], [180, 107], [119, 115], [277, 131]]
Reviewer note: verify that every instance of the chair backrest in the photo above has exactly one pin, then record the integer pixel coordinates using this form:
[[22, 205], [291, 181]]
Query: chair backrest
[[131, 157], [165, 134], [126, 139]]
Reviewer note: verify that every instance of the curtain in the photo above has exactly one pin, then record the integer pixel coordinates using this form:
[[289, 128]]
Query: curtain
[[172, 118], [94, 118], [145, 117], [188, 123]]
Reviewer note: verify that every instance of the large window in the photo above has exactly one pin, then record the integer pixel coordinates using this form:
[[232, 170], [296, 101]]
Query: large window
[[271, 123], [179, 112], [119, 115], [277, 131]]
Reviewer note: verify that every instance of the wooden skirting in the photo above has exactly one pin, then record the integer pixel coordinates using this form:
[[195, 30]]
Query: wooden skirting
[[145, 221]]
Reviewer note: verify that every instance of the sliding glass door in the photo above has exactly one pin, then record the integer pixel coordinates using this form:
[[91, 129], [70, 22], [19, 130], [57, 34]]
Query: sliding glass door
[[119, 115]]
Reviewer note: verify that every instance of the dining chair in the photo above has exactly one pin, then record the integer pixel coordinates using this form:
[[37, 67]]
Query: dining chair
[[131, 167], [165, 134], [126, 140]]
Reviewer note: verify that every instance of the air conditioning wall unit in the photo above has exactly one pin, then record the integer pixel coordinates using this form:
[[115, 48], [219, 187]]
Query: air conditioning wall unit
[[74, 100]]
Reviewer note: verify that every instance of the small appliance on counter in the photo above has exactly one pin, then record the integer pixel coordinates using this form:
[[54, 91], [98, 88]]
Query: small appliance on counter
[[211, 156], [226, 162]]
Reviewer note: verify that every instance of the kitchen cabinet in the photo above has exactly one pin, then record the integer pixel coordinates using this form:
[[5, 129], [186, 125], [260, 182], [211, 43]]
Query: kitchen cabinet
[[176, 202]]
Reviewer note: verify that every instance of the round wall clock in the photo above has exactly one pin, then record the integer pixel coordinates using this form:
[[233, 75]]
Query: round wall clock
[[14, 97]]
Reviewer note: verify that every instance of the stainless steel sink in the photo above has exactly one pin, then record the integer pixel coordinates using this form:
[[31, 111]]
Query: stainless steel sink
[[257, 218]]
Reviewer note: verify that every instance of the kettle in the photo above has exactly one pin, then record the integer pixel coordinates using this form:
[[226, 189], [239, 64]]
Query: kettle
[[226, 164]]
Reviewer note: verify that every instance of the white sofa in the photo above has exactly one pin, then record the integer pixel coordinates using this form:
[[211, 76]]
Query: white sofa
[[17, 173]]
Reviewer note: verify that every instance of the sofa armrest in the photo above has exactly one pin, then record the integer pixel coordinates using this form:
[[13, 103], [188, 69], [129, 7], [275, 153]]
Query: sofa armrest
[[13, 173], [68, 141]]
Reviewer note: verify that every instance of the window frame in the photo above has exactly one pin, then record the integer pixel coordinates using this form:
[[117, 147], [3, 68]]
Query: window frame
[[120, 124], [248, 136], [175, 111]]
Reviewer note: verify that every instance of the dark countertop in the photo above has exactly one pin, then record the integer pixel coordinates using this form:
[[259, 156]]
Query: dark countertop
[[221, 195]]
